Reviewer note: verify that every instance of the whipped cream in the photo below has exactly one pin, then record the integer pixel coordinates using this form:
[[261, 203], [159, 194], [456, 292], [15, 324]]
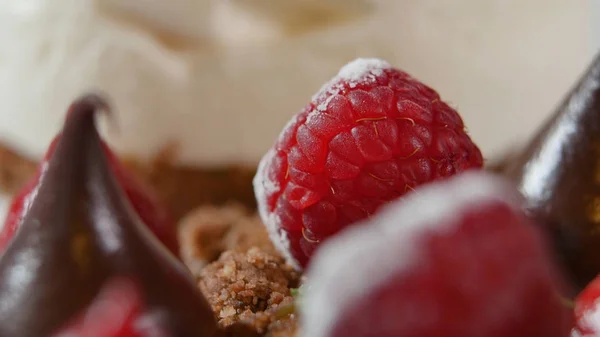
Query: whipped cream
[[221, 78]]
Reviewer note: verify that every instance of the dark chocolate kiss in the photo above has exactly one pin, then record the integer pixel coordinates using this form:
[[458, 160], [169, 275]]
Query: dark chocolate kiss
[[559, 174], [80, 232]]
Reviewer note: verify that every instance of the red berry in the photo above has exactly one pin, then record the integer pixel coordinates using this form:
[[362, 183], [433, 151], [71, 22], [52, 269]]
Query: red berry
[[587, 311], [456, 259], [369, 136], [143, 199], [116, 312]]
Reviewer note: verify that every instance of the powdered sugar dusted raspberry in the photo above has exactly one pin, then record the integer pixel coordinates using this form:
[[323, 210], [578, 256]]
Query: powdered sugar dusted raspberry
[[262, 185], [370, 136], [358, 71], [333, 283]]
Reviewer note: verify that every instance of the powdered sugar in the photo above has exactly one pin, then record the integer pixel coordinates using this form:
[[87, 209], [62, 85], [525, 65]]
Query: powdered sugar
[[353, 73], [356, 70], [323, 106], [263, 186], [386, 244], [590, 320]]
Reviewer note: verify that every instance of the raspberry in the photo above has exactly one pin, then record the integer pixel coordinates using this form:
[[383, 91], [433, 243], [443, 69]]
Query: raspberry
[[587, 311], [143, 199], [457, 259], [369, 136]]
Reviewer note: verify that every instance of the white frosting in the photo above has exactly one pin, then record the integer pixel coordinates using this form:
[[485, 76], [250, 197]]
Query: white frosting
[[221, 103], [222, 77], [187, 19], [347, 266]]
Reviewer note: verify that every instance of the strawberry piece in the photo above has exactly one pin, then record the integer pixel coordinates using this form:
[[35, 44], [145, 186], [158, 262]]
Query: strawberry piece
[[587, 311], [456, 259], [143, 199], [368, 137]]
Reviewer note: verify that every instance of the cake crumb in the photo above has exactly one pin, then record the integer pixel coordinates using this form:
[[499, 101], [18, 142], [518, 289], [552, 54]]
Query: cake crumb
[[208, 231], [15, 170], [252, 288], [503, 164], [185, 187]]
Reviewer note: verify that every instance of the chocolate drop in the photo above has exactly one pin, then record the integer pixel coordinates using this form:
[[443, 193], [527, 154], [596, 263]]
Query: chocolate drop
[[559, 174], [78, 232]]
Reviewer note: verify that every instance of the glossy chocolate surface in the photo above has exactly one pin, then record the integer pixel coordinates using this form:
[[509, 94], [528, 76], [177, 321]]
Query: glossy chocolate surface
[[78, 233], [559, 173]]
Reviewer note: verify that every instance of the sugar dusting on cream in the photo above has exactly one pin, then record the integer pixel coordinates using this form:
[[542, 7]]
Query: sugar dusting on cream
[[363, 257]]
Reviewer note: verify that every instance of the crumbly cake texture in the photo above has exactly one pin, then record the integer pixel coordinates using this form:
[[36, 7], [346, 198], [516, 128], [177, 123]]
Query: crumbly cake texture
[[503, 162], [247, 283], [15, 170], [185, 188], [182, 188], [251, 288], [208, 231]]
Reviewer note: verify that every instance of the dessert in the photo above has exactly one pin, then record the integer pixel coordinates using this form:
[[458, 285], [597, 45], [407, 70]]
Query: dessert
[[558, 173], [85, 251], [370, 135], [172, 75], [182, 74], [472, 266], [83, 263]]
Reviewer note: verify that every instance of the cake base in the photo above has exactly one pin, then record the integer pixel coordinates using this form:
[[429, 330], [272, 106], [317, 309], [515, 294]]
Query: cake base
[[245, 280], [182, 188], [185, 188]]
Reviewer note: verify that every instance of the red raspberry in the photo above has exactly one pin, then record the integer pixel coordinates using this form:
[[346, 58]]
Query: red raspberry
[[369, 136], [456, 259], [143, 199], [587, 311]]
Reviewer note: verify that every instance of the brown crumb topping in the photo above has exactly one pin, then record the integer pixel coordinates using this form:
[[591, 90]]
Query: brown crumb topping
[[209, 231], [252, 288], [182, 188], [15, 170], [186, 187]]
